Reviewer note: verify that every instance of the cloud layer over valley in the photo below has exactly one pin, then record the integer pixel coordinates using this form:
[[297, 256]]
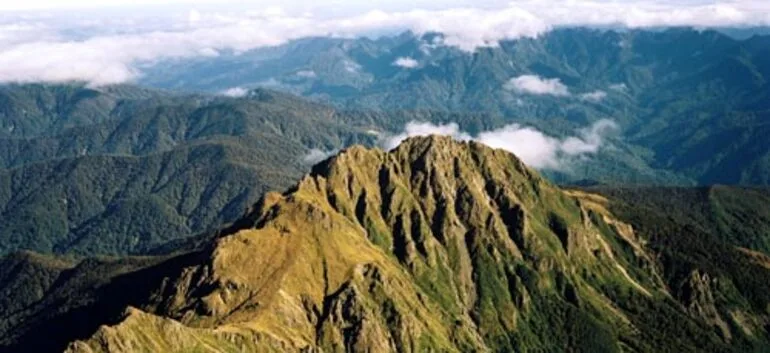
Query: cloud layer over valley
[[533, 147], [113, 47], [532, 84]]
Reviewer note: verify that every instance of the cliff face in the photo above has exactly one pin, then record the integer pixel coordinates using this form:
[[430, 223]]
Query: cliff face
[[437, 245]]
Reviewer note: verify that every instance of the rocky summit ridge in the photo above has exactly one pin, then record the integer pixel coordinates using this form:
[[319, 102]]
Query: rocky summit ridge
[[437, 245]]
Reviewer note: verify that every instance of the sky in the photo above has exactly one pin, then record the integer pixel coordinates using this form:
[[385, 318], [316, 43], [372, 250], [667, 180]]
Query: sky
[[357, 5], [108, 41]]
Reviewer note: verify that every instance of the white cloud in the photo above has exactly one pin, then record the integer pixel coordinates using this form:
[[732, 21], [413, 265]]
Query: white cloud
[[271, 82], [208, 52], [351, 66], [621, 87], [109, 47], [306, 74], [427, 46], [23, 32], [414, 128], [316, 155], [81, 4], [235, 92], [590, 140], [406, 62], [465, 28], [532, 84], [595, 96], [68, 61], [532, 146], [193, 17]]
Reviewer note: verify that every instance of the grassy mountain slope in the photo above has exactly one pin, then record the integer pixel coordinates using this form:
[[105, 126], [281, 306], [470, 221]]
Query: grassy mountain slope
[[437, 245]]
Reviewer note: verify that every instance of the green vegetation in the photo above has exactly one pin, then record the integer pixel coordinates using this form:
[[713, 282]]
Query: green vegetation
[[480, 253], [735, 215], [701, 236], [123, 170], [437, 245]]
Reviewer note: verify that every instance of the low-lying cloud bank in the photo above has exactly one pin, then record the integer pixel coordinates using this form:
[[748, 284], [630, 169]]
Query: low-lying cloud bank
[[112, 49], [315, 155], [532, 84], [406, 62], [533, 147], [595, 96], [540, 86], [235, 92]]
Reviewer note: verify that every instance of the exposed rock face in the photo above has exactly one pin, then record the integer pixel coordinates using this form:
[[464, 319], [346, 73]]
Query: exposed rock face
[[696, 294], [437, 245]]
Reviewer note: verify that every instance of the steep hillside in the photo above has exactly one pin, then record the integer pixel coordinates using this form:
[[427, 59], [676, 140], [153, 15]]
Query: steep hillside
[[735, 215], [437, 245], [120, 170], [126, 204]]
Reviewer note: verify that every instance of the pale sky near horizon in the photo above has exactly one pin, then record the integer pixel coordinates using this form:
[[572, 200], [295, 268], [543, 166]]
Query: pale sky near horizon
[[36, 5], [33, 5]]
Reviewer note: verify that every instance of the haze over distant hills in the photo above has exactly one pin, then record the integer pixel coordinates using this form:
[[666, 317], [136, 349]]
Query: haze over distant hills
[[189, 162], [694, 101]]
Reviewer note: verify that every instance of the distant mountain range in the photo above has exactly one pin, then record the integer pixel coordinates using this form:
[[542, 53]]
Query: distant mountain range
[[124, 169], [693, 101], [437, 245]]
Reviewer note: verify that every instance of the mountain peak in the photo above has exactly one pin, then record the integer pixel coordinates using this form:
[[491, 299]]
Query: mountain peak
[[438, 244], [426, 219], [428, 154]]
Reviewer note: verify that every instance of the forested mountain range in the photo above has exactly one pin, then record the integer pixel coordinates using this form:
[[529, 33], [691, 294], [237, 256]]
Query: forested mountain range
[[695, 101], [87, 165]]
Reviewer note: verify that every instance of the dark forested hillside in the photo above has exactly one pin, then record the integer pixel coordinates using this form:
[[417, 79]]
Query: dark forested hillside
[[121, 170], [739, 216]]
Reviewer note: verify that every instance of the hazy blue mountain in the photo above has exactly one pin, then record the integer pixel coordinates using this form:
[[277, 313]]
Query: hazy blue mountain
[[692, 107], [696, 100], [745, 32]]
